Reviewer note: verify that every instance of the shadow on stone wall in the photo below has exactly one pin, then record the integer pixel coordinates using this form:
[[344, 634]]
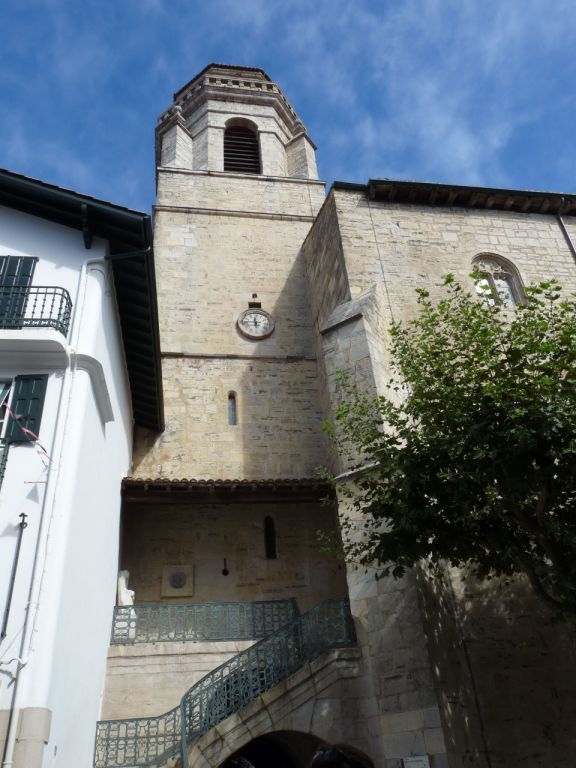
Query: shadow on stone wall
[[504, 670]]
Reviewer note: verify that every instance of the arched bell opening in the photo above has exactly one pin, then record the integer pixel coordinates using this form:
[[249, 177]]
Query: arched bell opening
[[242, 148]]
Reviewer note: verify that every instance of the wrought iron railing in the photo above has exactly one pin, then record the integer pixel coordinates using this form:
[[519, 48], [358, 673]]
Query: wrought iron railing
[[35, 307], [152, 741], [4, 446], [154, 623]]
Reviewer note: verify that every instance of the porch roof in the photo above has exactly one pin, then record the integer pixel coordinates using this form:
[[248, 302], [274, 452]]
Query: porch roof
[[191, 491]]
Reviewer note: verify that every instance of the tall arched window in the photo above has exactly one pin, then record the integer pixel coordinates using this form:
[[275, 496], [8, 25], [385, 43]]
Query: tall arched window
[[497, 280], [232, 409], [241, 150]]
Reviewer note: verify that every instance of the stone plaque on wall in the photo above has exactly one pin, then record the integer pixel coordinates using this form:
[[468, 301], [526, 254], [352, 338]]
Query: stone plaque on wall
[[418, 761], [178, 581]]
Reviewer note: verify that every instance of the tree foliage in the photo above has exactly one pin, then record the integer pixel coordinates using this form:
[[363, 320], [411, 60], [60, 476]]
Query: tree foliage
[[471, 456]]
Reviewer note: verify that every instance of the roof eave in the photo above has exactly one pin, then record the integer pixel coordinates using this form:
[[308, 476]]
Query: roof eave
[[453, 195], [129, 234]]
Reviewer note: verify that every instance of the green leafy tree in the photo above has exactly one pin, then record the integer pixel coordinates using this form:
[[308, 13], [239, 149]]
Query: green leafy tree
[[471, 458]]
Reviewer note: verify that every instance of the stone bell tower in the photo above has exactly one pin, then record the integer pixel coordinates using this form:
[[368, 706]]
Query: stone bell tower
[[225, 508], [237, 193], [197, 131]]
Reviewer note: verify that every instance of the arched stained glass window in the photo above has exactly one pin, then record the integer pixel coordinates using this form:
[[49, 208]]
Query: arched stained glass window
[[497, 281]]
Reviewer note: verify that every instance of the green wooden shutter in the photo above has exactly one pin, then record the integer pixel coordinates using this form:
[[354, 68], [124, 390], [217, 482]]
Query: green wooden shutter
[[26, 406], [5, 387], [15, 279]]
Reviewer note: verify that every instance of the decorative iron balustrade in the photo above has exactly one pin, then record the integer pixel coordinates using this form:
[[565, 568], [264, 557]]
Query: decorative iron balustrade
[[152, 741], [35, 307], [3, 458], [154, 623]]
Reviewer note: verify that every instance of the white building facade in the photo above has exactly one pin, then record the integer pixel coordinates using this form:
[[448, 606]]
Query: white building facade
[[66, 410]]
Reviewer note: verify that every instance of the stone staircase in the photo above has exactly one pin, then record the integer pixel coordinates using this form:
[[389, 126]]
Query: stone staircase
[[153, 742]]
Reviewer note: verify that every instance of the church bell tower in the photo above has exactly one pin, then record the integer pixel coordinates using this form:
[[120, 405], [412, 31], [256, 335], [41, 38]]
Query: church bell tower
[[237, 193]]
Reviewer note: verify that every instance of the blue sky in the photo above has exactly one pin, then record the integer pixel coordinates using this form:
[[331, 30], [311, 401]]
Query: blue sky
[[475, 92]]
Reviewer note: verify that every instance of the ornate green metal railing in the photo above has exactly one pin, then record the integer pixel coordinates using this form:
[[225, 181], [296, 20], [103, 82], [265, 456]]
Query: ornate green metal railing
[[35, 307], [152, 741], [154, 623], [4, 446]]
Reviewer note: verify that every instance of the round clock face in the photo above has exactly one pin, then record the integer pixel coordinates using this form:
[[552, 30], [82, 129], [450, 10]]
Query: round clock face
[[255, 324]]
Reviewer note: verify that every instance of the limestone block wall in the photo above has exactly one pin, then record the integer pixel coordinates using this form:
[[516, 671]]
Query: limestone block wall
[[278, 432], [328, 290], [366, 259], [210, 263], [301, 158], [148, 679], [229, 193], [325, 266], [207, 275], [273, 152], [202, 536], [390, 629], [176, 147], [490, 647], [407, 247], [504, 670]]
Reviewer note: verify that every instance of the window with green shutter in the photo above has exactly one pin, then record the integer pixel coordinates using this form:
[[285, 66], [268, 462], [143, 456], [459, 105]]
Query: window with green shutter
[[15, 279], [26, 406]]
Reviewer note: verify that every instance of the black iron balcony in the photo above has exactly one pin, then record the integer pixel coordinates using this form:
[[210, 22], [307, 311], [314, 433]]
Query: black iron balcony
[[35, 307]]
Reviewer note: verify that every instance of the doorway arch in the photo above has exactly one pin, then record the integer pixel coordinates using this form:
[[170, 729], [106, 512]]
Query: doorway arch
[[282, 749], [295, 749]]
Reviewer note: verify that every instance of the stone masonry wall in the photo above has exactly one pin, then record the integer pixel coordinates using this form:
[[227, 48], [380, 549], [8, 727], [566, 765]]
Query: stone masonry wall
[[207, 122], [279, 429], [406, 247], [202, 536], [148, 679], [505, 672], [209, 266], [228, 193], [492, 650]]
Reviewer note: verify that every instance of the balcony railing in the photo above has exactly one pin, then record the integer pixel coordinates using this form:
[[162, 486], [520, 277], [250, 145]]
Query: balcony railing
[[154, 623], [35, 307], [152, 741]]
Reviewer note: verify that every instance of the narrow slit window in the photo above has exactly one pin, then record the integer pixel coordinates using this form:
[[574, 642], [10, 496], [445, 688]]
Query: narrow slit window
[[4, 392], [232, 409], [270, 538]]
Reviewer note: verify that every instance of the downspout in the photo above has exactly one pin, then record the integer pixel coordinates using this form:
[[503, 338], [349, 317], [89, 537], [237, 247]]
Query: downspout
[[565, 232], [44, 525], [21, 525]]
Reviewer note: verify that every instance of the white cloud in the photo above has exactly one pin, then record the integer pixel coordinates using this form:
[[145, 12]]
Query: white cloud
[[438, 89]]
